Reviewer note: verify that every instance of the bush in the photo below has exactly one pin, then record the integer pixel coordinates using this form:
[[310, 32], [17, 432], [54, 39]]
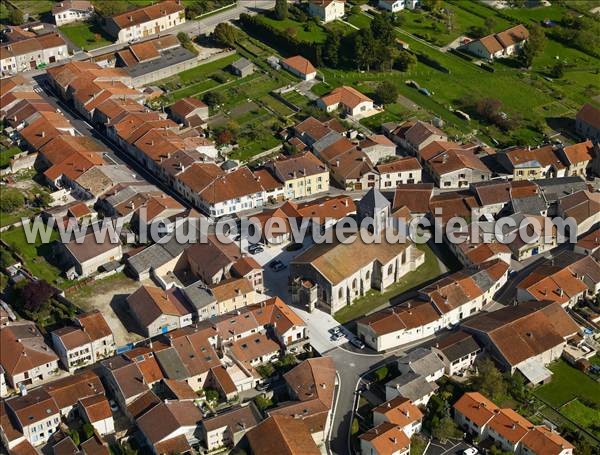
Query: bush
[[262, 402], [429, 61], [11, 200], [381, 373], [386, 93]]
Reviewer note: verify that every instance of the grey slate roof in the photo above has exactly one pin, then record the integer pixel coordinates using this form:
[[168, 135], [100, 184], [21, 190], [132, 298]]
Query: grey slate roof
[[242, 63], [171, 364], [330, 138], [198, 295], [422, 361], [533, 205], [412, 386], [554, 189], [461, 347], [372, 202]]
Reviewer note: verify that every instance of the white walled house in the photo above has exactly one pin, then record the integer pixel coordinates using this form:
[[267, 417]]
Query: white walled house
[[73, 347], [327, 10], [26, 358], [35, 414], [158, 311], [68, 11], [395, 6], [442, 304], [145, 21], [96, 411], [32, 53]]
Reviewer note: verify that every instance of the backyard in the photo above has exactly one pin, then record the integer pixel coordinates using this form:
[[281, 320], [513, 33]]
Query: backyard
[[37, 257], [574, 395], [373, 299], [86, 35]]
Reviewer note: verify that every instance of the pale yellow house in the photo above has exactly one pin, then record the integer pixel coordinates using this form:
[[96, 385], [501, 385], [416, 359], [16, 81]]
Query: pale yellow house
[[233, 294], [303, 175]]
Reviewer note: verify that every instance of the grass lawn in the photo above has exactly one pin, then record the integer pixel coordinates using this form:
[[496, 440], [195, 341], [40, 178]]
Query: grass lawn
[[526, 97], [206, 69], [35, 256], [7, 154], [358, 20], [374, 299], [584, 415], [276, 106], [86, 35], [34, 7], [309, 31], [568, 383], [296, 98]]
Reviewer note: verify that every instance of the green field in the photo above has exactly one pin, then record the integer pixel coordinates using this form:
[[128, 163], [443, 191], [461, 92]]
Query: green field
[[374, 299], [570, 391], [529, 98], [86, 35], [309, 31], [7, 154], [35, 255]]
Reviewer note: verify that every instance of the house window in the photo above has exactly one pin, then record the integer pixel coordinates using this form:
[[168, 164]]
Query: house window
[[390, 269]]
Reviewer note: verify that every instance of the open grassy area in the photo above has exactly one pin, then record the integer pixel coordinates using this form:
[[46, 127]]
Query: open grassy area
[[568, 383], [34, 7], [86, 35], [374, 299], [6, 155], [528, 97], [309, 31], [36, 256], [570, 391]]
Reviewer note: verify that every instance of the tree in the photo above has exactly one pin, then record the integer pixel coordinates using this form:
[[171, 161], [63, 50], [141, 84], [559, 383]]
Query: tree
[[35, 294], [534, 45], [226, 34], [11, 200], [404, 61], [262, 402], [431, 5], [558, 70], [88, 430], [75, 436], [383, 29], [331, 50], [6, 259], [213, 99], [43, 199], [15, 16], [488, 380], [211, 395], [224, 137], [281, 10], [445, 429], [364, 43], [386, 92]]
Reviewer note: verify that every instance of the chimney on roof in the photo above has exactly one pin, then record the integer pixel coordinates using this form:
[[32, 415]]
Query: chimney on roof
[[388, 405], [130, 18], [43, 134]]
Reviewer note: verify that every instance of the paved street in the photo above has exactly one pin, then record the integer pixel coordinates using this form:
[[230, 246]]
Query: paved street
[[196, 27]]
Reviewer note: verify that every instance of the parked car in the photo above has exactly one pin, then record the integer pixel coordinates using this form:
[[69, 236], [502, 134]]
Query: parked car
[[279, 267], [262, 387], [113, 405], [255, 248], [470, 451], [274, 262], [357, 342]]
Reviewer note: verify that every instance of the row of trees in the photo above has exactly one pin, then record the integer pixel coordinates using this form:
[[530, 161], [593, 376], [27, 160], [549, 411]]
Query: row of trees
[[374, 48]]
